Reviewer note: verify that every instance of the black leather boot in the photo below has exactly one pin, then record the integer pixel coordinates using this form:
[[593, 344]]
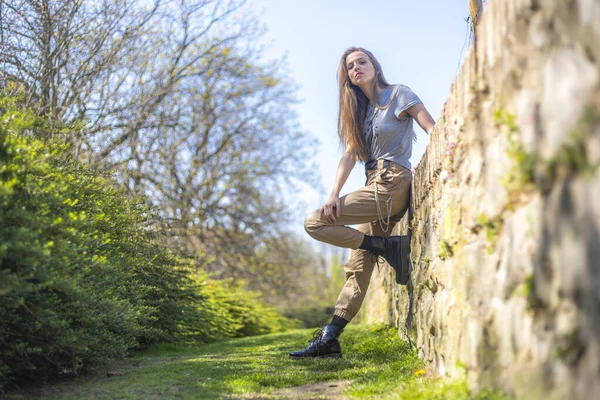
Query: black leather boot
[[395, 250], [323, 344]]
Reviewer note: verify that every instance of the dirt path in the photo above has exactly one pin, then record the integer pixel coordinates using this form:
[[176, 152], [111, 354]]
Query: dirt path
[[323, 390]]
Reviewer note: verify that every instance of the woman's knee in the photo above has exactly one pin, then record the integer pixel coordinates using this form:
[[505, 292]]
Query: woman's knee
[[312, 222]]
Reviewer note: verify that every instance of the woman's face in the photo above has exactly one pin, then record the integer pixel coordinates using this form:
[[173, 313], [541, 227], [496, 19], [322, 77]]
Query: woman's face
[[360, 68]]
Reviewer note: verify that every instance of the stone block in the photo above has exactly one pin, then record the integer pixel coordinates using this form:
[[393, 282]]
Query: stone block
[[569, 81]]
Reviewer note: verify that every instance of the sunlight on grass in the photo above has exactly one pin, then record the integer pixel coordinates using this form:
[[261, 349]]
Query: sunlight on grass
[[376, 361]]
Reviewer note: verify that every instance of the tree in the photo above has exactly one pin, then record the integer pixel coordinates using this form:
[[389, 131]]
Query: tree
[[175, 98], [62, 49]]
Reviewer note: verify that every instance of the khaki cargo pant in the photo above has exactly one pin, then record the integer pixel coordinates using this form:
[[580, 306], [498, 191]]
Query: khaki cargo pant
[[359, 207]]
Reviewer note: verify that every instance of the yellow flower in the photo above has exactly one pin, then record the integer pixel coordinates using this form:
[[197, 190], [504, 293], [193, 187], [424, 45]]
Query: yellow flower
[[419, 372]]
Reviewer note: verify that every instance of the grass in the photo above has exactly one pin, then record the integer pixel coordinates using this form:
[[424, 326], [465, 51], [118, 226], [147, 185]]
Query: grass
[[376, 361]]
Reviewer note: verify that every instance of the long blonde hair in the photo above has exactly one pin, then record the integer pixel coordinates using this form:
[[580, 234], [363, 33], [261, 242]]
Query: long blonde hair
[[353, 106]]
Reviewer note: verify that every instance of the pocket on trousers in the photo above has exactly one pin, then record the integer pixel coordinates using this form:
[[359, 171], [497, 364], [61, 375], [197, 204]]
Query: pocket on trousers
[[393, 178], [387, 179]]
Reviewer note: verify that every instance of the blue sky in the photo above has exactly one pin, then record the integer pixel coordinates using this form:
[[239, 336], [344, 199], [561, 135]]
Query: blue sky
[[418, 43]]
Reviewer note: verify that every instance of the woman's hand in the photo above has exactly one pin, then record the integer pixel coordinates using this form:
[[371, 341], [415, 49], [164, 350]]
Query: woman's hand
[[331, 208]]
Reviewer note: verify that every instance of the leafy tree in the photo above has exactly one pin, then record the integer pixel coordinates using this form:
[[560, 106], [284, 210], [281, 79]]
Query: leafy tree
[[176, 99]]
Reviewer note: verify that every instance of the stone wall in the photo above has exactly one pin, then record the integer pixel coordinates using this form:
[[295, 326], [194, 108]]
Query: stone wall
[[506, 238]]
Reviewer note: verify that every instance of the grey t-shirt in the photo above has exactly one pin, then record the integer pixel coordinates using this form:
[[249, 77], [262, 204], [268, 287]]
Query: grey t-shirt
[[389, 137]]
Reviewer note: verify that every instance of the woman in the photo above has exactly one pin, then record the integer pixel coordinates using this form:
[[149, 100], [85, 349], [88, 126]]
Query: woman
[[375, 126]]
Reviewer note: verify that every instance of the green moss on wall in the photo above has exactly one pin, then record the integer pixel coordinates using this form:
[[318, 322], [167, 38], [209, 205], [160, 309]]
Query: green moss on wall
[[492, 227], [445, 250], [520, 177], [572, 157]]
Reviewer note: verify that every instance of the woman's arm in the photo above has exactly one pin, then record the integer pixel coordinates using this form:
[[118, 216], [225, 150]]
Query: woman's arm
[[422, 116], [331, 208]]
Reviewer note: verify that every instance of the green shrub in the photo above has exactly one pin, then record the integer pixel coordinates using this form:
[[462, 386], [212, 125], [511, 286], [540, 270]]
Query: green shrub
[[232, 311], [83, 276]]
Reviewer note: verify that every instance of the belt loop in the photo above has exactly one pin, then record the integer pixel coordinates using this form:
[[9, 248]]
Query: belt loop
[[380, 163]]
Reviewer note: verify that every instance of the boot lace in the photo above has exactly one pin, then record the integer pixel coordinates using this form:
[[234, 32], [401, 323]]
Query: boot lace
[[377, 260], [316, 336]]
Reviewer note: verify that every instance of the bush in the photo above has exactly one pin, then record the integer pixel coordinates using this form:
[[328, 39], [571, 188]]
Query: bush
[[81, 279], [83, 276], [249, 314]]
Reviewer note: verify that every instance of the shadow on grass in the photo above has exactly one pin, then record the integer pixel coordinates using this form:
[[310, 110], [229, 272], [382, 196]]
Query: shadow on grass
[[254, 365]]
